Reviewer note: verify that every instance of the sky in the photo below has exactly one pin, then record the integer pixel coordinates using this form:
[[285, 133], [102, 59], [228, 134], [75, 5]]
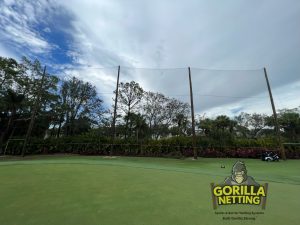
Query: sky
[[226, 43]]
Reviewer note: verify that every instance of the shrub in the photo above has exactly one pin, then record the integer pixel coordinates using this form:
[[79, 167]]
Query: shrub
[[175, 147]]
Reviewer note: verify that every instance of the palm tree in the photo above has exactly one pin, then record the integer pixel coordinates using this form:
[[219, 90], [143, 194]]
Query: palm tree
[[137, 123], [140, 126]]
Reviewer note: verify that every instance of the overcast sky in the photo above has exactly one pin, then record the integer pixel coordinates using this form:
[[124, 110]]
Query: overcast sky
[[236, 38]]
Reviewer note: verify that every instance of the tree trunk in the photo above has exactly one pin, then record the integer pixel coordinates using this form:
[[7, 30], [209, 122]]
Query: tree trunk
[[58, 130], [5, 133], [59, 126], [127, 121]]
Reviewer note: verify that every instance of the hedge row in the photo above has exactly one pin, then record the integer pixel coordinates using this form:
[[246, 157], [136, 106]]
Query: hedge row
[[173, 147]]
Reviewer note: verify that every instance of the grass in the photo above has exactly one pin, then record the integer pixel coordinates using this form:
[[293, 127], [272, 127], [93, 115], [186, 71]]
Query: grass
[[43, 190]]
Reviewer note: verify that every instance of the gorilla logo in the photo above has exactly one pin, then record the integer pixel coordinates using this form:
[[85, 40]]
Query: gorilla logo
[[239, 176]]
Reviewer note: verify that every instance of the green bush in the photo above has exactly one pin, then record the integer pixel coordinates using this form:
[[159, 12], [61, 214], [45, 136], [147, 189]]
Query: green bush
[[166, 147]]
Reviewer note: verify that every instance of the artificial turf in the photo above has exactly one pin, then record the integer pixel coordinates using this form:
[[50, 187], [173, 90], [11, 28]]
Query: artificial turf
[[44, 190]]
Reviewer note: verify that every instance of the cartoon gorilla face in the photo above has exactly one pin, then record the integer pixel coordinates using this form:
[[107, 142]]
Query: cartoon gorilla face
[[239, 172]]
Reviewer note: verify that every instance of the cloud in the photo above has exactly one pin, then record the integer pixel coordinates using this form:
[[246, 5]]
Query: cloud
[[47, 30], [17, 25], [232, 35]]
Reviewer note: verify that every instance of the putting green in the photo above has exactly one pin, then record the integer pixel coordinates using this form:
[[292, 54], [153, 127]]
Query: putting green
[[90, 190]]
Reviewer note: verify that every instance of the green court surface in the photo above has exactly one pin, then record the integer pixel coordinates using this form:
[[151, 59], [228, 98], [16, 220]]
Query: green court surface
[[42, 190]]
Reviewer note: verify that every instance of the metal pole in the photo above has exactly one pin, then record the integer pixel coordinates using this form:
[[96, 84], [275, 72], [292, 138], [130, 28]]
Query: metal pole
[[115, 110], [275, 117], [193, 116], [34, 112]]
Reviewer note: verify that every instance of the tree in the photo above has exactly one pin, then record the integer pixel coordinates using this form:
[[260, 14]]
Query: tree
[[12, 101], [32, 72], [130, 95], [182, 124], [79, 99], [165, 115], [154, 106], [41, 95], [256, 122], [137, 123], [176, 115], [289, 120], [82, 125], [242, 124], [206, 125], [9, 69], [223, 122], [221, 129]]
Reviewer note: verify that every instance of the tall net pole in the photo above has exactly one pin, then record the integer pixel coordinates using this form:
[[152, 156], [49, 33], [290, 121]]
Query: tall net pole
[[34, 112], [115, 112], [275, 117], [193, 116]]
